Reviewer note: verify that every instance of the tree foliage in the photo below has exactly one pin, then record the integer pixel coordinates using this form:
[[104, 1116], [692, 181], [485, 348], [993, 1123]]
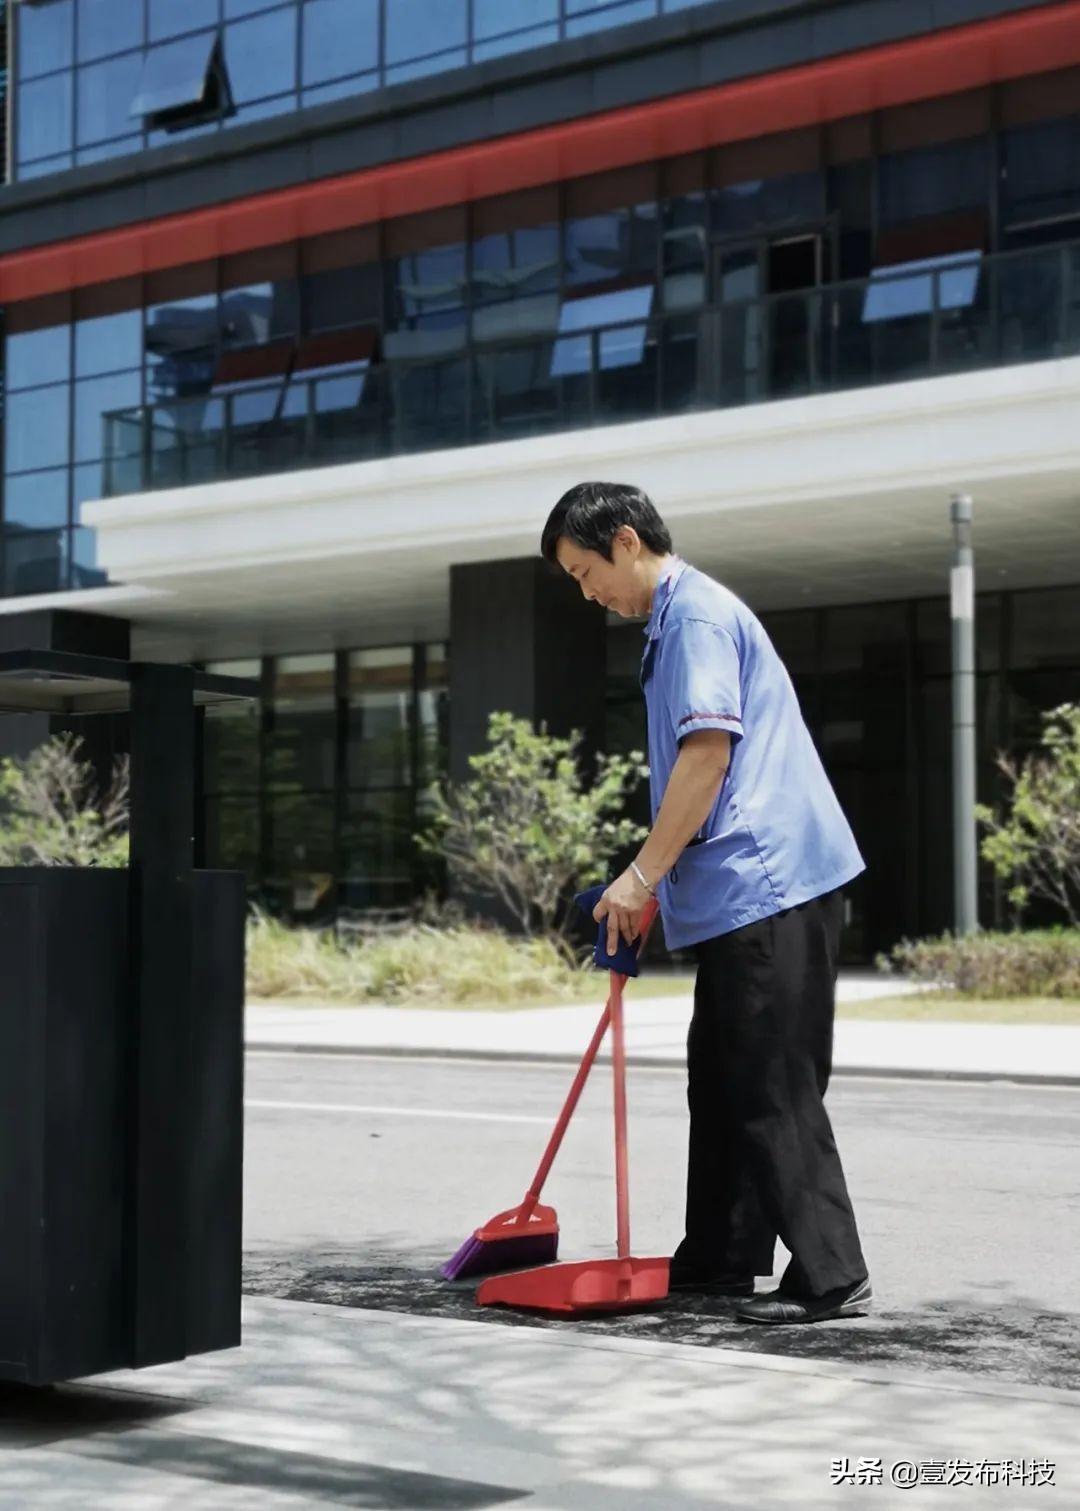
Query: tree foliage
[[526, 828], [52, 813], [1036, 844]]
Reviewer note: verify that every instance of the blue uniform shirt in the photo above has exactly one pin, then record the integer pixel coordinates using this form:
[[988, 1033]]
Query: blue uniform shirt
[[776, 836]]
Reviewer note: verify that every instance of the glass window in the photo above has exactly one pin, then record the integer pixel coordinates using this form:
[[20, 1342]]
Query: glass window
[[106, 91], [36, 428], [231, 834], [1046, 631], [417, 28], [247, 7], [851, 196], [37, 499], [88, 485], [909, 288], [491, 18], [342, 280], [44, 166], [339, 37], [231, 736], [35, 561], [933, 181], [303, 723], [625, 347], [107, 26], [108, 328], [260, 298], [515, 246], [427, 265], [380, 717], [95, 397], [422, 67], [770, 181], [174, 75], [433, 715], [105, 150], [301, 880], [379, 852], [181, 329], [46, 36], [1040, 174], [45, 117], [170, 18], [260, 55], [82, 553], [612, 226], [614, 15], [683, 233], [518, 41], [39, 352], [345, 89]]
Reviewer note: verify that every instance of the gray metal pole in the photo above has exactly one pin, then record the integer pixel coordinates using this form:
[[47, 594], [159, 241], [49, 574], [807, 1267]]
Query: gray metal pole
[[962, 601]]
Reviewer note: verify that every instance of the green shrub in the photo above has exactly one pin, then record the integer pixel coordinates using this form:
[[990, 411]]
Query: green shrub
[[1031, 963], [528, 828], [424, 964], [53, 813]]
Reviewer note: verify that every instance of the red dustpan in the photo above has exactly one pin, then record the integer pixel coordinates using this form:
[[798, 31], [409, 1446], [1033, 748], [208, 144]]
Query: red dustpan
[[592, 1285]]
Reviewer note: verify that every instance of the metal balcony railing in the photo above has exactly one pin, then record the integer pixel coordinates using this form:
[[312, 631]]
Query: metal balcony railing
[[964, 312]]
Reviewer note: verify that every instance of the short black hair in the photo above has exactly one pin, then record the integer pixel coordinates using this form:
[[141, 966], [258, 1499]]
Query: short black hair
[[592, 514]]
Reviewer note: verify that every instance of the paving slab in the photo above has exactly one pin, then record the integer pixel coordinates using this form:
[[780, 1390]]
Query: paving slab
[[326, 1406]]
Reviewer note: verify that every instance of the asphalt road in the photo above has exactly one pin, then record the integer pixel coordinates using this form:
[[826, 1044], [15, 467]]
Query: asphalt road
[[363, 1175]]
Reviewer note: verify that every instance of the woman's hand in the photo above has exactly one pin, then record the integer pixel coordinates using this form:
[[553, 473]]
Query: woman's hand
[[622, 905]]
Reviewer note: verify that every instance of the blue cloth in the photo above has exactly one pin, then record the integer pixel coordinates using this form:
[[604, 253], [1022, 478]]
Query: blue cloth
[[776, 836], [625, 958]]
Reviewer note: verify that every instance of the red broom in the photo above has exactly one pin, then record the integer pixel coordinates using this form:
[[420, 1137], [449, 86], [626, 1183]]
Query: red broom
[[528, 1234]]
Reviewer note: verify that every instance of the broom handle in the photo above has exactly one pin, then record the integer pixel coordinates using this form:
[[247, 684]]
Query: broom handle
[[532, 1196]]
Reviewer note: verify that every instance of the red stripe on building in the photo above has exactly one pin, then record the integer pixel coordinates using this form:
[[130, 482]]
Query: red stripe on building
[[964, 57]]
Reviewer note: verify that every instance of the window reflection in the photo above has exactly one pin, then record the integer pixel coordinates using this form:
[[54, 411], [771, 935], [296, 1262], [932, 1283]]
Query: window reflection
[[381, 717], [623, 347], [612, 226], [340, 37], [46, 37], [914, 288]]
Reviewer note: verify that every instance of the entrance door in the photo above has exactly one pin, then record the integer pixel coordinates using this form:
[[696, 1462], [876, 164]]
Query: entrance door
[[794, 269], [768, 347]]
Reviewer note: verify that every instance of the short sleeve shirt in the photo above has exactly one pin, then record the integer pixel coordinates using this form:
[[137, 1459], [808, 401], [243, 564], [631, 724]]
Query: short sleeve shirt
[[776, 836]]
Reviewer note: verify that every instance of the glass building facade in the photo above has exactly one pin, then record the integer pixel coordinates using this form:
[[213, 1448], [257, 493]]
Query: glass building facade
[[920, 239], [102, 78], [318, 794]]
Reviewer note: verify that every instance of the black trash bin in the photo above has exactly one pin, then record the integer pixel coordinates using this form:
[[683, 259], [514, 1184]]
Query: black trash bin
[[121, 1058]]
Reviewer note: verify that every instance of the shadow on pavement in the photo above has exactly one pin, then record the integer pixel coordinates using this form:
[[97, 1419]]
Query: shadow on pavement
[[38, 1416], [1018, 1342]]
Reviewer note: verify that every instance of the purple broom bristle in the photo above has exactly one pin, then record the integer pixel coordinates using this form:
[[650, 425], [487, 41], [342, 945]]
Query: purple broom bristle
[[480, 1257]]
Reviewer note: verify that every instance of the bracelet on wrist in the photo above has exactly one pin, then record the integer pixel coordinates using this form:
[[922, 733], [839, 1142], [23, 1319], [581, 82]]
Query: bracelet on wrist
[[641, 878]]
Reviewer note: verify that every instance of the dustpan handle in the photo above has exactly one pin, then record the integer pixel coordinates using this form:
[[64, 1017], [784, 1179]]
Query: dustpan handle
[[532, 1196], [618, 1060], [622, 1173]]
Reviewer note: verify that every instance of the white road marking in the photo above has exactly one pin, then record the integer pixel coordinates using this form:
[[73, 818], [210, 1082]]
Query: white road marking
[[402, 1112]]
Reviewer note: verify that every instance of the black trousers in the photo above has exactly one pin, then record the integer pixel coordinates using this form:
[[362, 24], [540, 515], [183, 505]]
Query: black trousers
[[763, 1160]]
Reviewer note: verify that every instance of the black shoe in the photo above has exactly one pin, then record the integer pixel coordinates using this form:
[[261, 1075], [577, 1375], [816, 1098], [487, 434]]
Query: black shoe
[[702, 1282], [775, 1306]]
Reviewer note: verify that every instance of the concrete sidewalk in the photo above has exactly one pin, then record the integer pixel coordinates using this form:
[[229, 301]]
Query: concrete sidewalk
[[656, 1035], [330, 1406]]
